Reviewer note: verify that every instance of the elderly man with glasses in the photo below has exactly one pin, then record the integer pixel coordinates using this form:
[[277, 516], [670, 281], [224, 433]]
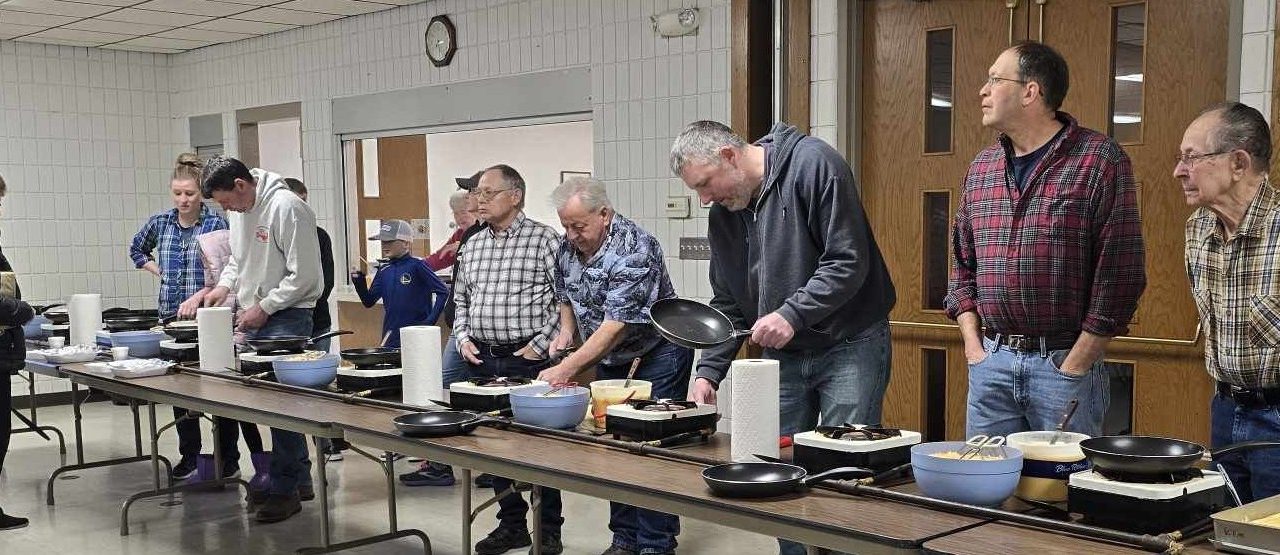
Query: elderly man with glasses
[[1232, 240], [1047, 254], [507, 323]]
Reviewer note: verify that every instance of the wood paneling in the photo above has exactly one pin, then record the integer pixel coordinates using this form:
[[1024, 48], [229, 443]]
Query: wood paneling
[[798, 33], [750, 58], [1171, 387], [402, 184]]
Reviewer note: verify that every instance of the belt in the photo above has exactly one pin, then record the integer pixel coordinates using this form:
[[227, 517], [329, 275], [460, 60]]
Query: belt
[[499, 350], [1032, 343], [1250, 398]]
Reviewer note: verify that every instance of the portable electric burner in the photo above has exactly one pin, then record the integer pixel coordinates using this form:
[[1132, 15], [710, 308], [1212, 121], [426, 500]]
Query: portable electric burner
[[648, 420], [487, 393], [370, 376], [878, 449], [1146, 503], [179, 351], [57, 330]]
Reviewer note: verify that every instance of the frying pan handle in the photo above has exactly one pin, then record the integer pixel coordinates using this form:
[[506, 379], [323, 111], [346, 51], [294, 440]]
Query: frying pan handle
[[47, 307], [1237, 448], [740, 333], [327, 335], [842, 473]]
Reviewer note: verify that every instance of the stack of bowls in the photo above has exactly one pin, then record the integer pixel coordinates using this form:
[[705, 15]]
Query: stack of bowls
[[562, 409], [973, 481]]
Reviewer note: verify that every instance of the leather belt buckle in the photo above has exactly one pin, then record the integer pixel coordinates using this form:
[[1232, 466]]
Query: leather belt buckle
[[1018, 342]]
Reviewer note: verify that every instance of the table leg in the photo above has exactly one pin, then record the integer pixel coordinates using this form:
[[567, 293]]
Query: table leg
[[323, 482], [75, 411], [467, 518], [535, 506], [386, 463]]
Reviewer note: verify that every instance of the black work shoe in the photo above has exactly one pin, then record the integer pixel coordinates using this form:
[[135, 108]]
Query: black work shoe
[[10, 522], [551, 544], [256, 498], [502, 540], [185, 468], [307, 492], [278, 508], [615, 550], [484, 481]]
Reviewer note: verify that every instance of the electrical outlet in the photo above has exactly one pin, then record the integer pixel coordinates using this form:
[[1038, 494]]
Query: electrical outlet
[[678, 207], [695, 248]]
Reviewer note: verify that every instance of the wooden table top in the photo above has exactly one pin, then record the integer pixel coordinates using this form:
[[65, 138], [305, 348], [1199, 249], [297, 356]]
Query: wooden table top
[[1010, 538], [877, 520]]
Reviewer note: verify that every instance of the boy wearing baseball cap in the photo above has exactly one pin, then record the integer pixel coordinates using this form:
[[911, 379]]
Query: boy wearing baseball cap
[[411, 293]]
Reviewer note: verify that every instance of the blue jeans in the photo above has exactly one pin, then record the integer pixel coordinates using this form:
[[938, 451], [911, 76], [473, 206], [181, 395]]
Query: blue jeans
[[1256, 474], [453, 367], [1013, 391], [512, 508], [841, 384], [668, 367], [290, 465]]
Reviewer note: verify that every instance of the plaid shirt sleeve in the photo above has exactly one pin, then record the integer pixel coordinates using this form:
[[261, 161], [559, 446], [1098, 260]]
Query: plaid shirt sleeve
[[461, 298], [550, 246], [1119, 275], [962, 294], [144, 242]]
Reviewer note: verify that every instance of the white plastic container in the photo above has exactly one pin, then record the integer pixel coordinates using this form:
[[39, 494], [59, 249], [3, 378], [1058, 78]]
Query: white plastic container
[[1045, 467]]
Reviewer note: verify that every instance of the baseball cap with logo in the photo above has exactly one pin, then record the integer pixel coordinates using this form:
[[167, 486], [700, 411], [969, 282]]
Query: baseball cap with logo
[[469, 183], [394, 230]]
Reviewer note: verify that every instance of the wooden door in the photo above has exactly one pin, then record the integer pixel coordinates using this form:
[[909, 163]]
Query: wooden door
[[911, 180]]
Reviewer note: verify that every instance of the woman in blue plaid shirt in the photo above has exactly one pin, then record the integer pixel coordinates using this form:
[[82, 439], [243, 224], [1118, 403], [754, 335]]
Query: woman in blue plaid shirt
[[167, 247]]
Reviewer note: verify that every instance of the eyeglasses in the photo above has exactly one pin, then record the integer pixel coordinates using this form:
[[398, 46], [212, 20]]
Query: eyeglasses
[[1188, 159], [992, 80], [483, 194]]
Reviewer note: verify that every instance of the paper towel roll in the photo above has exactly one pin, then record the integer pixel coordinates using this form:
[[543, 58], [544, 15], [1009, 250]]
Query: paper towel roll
[[217, 352], [754, 406], [420, 357], [85, 312]]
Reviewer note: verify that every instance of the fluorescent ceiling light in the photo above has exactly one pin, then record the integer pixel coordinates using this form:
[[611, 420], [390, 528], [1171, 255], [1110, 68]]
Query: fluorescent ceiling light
[[1133, 77], [939, 102]]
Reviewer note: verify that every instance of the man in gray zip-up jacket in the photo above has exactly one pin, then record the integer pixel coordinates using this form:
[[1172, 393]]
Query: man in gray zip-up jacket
[[794, 260]]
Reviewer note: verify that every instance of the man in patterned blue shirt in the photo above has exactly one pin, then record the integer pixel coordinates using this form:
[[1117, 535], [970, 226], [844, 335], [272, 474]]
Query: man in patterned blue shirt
[[609, 273]]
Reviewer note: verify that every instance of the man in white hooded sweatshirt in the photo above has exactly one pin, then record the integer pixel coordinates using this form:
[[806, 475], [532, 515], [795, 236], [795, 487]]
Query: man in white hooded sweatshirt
[[275, 272]]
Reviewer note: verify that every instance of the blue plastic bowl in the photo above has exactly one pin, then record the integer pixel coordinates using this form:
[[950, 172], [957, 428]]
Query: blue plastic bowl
[[32, 330], [562, 410], [313, 373], [141, 344], [974, 482]]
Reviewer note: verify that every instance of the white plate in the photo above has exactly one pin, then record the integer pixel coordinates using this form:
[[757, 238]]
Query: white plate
[[139, 368], [82, 356]]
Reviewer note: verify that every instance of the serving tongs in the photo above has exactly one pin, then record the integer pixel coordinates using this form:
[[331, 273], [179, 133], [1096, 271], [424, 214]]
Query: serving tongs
[[978, 443]]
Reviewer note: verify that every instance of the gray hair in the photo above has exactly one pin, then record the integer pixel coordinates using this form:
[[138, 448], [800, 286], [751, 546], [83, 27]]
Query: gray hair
[[700, 142], [1241, 127], [589, 190], [458, 200]]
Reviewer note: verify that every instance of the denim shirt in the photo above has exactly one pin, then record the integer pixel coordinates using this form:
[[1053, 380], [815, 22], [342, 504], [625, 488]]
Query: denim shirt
[[619, 282]]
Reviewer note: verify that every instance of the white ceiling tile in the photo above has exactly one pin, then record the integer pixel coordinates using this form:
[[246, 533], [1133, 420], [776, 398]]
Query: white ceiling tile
[[27, 18], [233, 25], [123, 27], [94, 37], [62, 42], [398, 2], [57, 7], [194, 7], [157, 42], [11, 30], [116, 3], [143, 49], [188, 33], [254, 2], [338, 7], [154, 18], [276, 15]]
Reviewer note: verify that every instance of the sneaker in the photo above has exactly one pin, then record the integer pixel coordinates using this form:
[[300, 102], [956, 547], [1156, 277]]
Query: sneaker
[[307, 492], [185, 468], [278, 508], [551, 544], [503, 539], [429, 476], [615, 550], [10, 522], [484, 481]]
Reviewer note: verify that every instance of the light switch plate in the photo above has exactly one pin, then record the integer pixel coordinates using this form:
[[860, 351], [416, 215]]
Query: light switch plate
[[695, 248], [678, 207]]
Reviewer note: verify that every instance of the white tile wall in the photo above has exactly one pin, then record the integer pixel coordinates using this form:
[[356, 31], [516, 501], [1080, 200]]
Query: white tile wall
[[824, 63], [1256, 51], [644, 88]]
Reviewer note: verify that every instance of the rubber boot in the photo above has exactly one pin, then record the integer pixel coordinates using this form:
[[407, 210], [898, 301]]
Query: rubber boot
[[261, 480]]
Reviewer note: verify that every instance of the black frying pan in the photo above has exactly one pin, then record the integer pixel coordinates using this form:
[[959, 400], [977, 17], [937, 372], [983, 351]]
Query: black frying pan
[[184, 333], [1154, 455], [275, 344], [770, 479], [57, 314], [439, 423], [372, 355], [130, 323], [692, 324], [40, 309]]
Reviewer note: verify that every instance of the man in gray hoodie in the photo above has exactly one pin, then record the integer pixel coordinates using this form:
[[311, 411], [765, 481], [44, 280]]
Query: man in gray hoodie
[[275, 272], [794, 260]]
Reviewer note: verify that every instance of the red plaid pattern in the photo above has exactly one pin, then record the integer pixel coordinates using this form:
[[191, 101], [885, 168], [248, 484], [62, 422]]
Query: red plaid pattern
[[1063, 255]]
